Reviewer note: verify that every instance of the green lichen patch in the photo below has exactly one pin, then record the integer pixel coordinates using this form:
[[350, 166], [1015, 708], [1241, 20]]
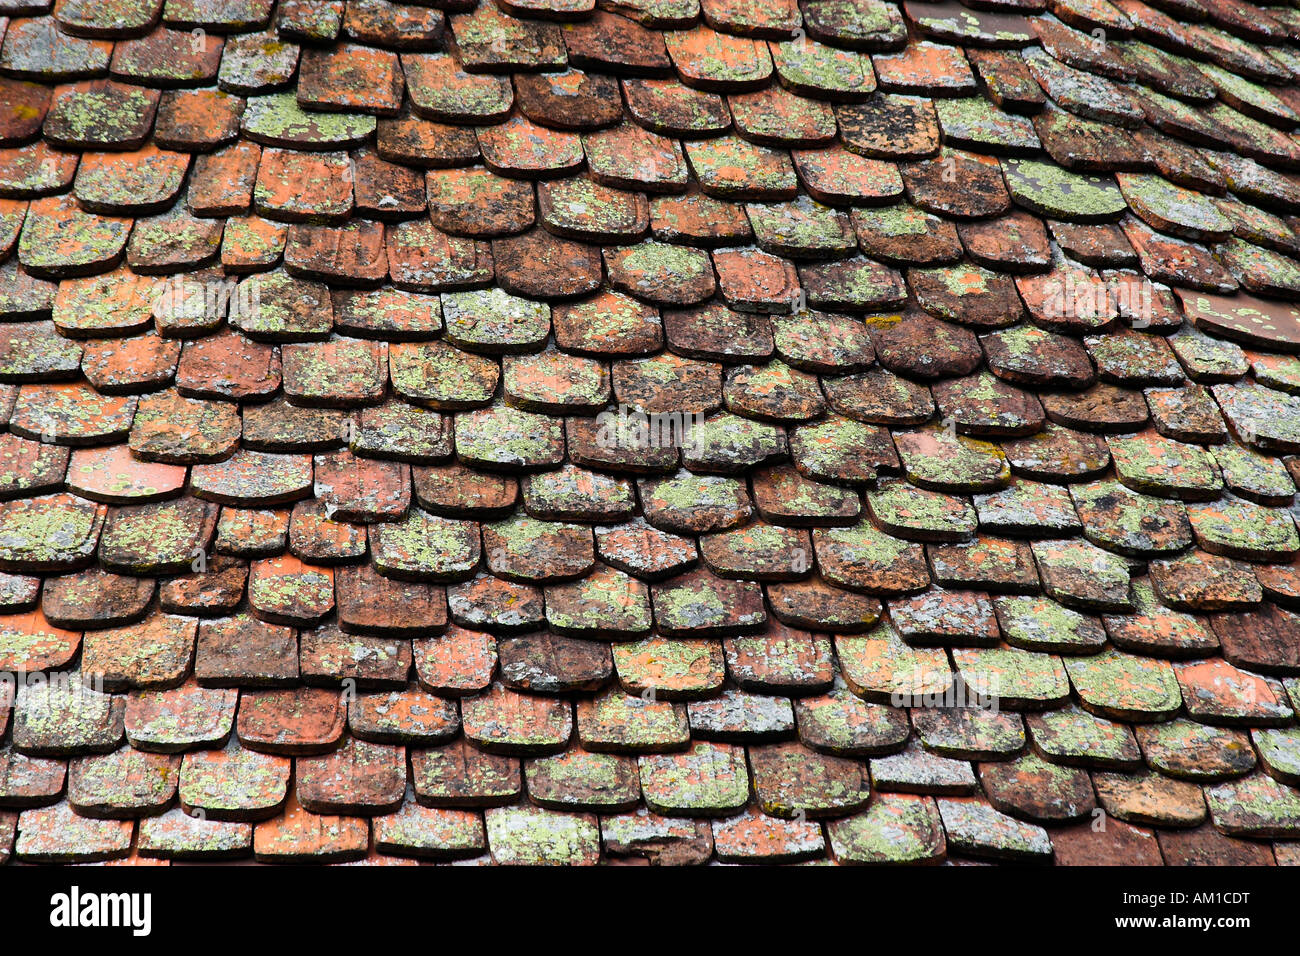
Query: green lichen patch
[[1018, 679], [48, 533], [441, 376], [501, 437], [1124, 687], [879, 665], [802, 228], [1049, 190], [706, 780], [842, 449], [1150, 463], [425, 547], [975, 123], [818, 69], [939, 459], [841, 723], [630, 723], [606, 603], [1240, 529], [915, 513], [277, 120], [1173, 209], [1119, 519], [1256, 807], [1261, 478], [1040, 624], [158, 538], [698, 604], [661, 272], [1074, 737], [896, 828]]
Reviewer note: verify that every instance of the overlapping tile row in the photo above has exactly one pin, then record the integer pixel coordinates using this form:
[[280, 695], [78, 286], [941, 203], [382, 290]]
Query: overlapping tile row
[[346, 351]]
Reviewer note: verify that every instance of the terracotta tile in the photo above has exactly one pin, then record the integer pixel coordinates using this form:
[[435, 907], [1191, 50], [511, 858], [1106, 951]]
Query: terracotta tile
[[124, 784], [277, 120], [100, 113], [177, 836], [60, 241], [856, 839], [579, 208], [32, 467], [571, 100], [976, 829], [505, 722], [698, 604], [607, 603], [33, 642], [32, 102], [489, 602], [241, 651], [553, 664], [706, 780], [222, 182], [58, 835], [303, 187], [351, 78], [167, 57], [331, 657], [531, 837], [574, 268], [489, 40], [30, 781], [433, 833], [68, 719], [628, 157], [302, 836], [613, 43], [206, 594], [731, 168], [1206, 846], [303, 20], [93, 599], [49, 533], [393, 25], [298, 722]]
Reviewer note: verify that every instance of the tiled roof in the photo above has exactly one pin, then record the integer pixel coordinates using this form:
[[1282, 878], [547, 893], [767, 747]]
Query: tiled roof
[[346, 351]]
